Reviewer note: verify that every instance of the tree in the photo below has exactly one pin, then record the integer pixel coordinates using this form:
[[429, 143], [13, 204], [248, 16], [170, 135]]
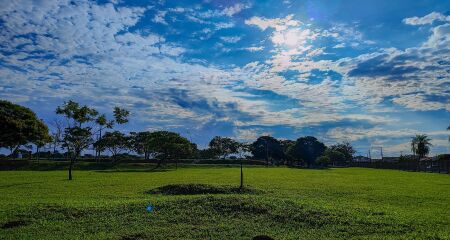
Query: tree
[[120, 117], [223, 146], [420, 145], [116, 142], [141, 143], [346, 149], [308, 149], [19, 125], [79, 131], [286, 144], [267, 147], [170, 145], [334, 156], [323, 160]]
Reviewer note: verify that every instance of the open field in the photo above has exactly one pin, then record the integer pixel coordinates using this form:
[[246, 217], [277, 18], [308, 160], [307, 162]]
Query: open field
[[291, 204]]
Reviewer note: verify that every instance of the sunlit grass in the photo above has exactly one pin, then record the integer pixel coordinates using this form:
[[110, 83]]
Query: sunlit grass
[[292, 204]]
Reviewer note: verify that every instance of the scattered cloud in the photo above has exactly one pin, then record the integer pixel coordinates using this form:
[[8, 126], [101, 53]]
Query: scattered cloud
[[427, 19]]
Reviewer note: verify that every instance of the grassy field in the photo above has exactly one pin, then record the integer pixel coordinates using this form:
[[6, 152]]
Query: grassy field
[[290, 204]]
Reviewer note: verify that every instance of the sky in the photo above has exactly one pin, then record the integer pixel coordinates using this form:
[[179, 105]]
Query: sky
[[373, 73]]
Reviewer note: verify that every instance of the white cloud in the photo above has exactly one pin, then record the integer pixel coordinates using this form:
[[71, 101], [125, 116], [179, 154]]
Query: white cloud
[[236, 8], [254, 49], [231, 39], [427, 19], [279, 24], [159, 17]]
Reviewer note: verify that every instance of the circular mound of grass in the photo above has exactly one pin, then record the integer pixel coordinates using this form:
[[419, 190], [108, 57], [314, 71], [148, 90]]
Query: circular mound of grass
[[191, 189]]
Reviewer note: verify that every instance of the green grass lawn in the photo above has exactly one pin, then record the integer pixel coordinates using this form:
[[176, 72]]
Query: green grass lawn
[[292, 204]]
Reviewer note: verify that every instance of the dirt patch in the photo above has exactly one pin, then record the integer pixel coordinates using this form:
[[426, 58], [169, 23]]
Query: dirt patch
[[134, 237], [192, 189], [262, 237], [14, 224]]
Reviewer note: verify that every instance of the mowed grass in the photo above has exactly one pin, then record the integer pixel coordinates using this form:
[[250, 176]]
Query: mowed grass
[[345, 203]]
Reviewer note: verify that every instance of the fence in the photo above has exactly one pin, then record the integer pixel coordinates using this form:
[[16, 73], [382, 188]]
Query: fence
[[438, 165]]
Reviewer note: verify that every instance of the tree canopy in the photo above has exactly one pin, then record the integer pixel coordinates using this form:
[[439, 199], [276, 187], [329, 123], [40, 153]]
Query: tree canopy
[[420, 145], [267, 147], [19, 126], [223, 146], [170, 145], [308, 149]]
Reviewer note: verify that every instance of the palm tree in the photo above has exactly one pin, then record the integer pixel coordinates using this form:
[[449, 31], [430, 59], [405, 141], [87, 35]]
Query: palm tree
[[420, 145]]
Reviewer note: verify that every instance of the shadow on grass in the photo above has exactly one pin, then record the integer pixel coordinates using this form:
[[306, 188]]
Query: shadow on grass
[[134, 170], [192, 189]]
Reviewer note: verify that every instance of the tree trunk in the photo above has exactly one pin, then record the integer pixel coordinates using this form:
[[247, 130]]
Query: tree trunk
[[72, 162], [37, 154], [70, 168], [242, 177]]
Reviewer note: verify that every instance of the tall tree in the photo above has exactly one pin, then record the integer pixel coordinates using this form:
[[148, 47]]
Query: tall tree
[[308, 149], [286, 144], [19, 125], [79, 129], [141, 142], [170, 145], [223, 146], [120, 117], [268, 148], [420, 145], [346, 149]]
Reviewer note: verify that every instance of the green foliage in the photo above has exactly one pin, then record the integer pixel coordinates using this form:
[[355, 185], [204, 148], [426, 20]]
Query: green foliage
[[78, 133], [323, 160], [346, 149], [336, 157], [307, 148], [420, 145], [116, 142], [141, 142], [170, 145], [223, 146], [121, 115], [207, 153], [267, 147], [19, 126]]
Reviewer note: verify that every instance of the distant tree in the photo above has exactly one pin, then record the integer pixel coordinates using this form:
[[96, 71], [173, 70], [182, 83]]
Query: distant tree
[[286, 144], [323, 160], [268, 148], [170, 145], [120, 117], [79, 130], [223, 146], [141, 142], [19, 126], [345, 148], [335, 157], [420, 145], [307, 148], [207, 153], [115, 142]]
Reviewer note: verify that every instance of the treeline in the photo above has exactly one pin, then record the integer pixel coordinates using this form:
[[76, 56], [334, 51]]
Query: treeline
[[83, 127]]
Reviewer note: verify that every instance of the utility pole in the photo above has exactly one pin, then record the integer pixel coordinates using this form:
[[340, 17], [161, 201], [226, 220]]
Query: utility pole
[[381, 148], [242, 177]]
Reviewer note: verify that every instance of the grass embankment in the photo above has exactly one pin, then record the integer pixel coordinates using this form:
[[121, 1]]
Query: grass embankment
[[284, 203]]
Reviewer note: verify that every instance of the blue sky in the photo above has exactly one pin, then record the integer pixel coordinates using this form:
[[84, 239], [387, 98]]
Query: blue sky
[[372, 73]]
